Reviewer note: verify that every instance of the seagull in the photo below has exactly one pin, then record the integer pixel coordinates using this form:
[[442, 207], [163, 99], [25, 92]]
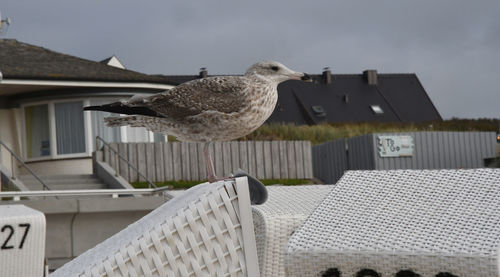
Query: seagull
[[219, 108]]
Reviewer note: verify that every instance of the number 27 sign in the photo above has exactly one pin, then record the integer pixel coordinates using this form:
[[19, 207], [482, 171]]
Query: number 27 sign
[[8, 242]]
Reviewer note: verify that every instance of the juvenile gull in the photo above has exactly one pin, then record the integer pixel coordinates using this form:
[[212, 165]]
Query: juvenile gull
[[210, 109]]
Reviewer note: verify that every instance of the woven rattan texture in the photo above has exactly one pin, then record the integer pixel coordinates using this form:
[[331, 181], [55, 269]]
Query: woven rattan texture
[[276, 220], [428, 221], [199, 235]]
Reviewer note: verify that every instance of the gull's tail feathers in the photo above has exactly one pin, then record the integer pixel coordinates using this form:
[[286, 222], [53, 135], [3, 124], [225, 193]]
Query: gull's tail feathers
[[123, 108], [153, 124], [118, 121]]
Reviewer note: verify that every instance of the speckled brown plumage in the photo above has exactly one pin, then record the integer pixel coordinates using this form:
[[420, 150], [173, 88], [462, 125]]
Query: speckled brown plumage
[[209, 109], [214, 108]]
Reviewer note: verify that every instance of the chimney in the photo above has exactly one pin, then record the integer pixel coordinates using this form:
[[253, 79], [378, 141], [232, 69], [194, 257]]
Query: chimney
[[345, 97], [203, 72], [327, 75], [370, 76]]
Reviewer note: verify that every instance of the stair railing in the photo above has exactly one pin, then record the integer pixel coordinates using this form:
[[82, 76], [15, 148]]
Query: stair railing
[[14, 157], [119, 156]]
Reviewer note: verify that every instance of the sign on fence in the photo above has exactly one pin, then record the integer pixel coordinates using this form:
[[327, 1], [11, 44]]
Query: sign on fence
[[395, 146]]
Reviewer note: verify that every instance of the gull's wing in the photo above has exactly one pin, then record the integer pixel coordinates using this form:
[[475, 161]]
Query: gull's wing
[[226, 94]]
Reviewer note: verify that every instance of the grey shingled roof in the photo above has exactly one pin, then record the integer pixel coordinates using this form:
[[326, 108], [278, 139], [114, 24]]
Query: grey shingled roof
[[20, 60]]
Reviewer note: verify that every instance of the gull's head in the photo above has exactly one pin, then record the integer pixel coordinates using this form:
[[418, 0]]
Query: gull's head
[[275, 71]]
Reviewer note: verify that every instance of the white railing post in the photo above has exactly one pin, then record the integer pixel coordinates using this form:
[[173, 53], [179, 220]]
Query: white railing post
[[12, 163], [116, 165]]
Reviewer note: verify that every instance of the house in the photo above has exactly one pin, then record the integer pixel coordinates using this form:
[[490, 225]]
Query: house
[[42, 93], [334, 98], [365, 97]]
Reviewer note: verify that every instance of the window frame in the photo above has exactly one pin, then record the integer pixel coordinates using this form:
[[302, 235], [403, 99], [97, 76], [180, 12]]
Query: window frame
[[52, 130], [87, 124]]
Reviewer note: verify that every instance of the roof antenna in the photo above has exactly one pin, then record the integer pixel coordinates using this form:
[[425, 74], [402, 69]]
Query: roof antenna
[[4, 24]]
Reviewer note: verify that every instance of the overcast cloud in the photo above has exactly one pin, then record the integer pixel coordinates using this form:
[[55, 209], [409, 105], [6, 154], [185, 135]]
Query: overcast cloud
[[453, 45]]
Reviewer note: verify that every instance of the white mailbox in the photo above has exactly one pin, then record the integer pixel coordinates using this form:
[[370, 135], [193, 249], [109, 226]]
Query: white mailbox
[[22, 241]]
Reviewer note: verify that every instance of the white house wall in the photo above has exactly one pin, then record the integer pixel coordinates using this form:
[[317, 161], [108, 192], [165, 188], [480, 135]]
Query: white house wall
[[61, 167], [12, 133], [8, 136]]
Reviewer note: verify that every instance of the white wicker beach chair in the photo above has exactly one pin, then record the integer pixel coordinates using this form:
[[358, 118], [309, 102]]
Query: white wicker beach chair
[[276, 220], [428, 223], [206, 231]]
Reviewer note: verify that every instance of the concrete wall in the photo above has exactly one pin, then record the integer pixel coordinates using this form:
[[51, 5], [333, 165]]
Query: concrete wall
[[76, 225], [107, 174], [61, 167], [8, 136]]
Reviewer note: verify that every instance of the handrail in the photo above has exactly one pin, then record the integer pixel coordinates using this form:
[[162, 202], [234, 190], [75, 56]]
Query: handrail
[[81, 192], [98, 138], [24, 165]]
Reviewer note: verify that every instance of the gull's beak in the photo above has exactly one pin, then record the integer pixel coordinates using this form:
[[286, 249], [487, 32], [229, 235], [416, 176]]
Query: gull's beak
[[300, 76], [306, 78]]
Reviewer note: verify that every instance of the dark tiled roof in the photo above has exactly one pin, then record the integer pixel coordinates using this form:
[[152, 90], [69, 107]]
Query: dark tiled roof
[[348, 99], [20, 60]]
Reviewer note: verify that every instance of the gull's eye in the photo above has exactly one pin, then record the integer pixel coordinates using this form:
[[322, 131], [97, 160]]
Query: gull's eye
[[275, 68]]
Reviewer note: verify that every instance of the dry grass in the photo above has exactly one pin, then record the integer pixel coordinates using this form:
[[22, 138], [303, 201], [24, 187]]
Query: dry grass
[[325, 132]]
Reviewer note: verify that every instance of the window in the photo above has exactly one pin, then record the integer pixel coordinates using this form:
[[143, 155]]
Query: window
[[54, 129], [116, 134], [376, 109], [319, 111], [61, 129], [99, 128], [70, 129], [158, 137], [37, 131]]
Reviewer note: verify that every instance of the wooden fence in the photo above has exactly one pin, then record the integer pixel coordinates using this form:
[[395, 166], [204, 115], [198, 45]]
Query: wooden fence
[[167, 161]]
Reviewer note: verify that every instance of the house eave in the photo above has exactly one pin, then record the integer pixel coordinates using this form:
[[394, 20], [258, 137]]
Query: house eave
[[57, 83]]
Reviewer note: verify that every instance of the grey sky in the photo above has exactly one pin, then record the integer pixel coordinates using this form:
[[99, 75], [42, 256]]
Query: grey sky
[[452, 45]]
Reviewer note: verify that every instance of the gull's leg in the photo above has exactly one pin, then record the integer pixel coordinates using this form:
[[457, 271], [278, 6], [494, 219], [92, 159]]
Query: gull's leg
[[208, 162]]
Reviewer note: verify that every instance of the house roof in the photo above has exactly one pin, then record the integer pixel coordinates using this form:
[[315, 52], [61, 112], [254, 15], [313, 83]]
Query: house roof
[[20, 60], [349, 98]]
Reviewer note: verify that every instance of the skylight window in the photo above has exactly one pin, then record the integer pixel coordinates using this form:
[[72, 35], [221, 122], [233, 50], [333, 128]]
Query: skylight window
[[319, 111], [376, 109]]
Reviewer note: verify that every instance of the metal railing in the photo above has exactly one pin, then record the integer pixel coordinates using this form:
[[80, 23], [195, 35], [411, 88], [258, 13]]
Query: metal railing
[[13, 166], [114, 193], [117, 164]]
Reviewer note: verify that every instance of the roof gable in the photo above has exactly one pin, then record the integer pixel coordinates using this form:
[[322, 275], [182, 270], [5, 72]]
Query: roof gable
[[113, 61]]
